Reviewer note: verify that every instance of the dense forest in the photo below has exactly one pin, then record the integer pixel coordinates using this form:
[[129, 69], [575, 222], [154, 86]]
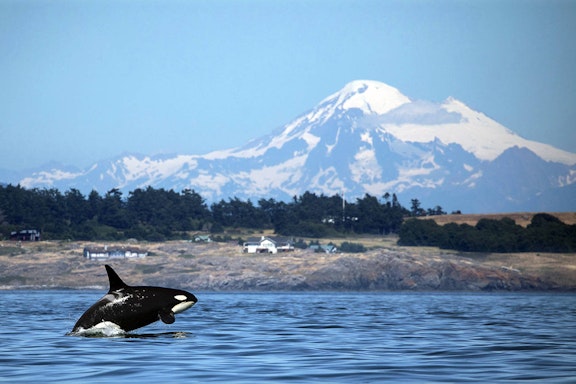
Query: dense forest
[[545, 233], [158, 214]]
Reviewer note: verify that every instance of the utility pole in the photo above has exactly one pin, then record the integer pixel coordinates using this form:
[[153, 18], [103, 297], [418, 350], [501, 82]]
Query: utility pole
[[343, 207]]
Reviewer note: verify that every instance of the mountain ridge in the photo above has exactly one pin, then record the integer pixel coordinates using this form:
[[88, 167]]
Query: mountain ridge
[[366, 138]]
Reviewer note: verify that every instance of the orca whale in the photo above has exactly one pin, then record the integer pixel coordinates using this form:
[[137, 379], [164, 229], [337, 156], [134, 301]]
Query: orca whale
[[128, 308]]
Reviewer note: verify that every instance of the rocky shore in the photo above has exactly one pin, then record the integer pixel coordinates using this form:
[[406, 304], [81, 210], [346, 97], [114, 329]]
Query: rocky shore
[[222, 267]]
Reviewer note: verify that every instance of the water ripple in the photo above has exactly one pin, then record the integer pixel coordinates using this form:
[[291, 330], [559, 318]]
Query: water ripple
[[299, 337]]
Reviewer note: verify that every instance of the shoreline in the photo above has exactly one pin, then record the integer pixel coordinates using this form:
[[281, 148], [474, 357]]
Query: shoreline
[[221, 267]]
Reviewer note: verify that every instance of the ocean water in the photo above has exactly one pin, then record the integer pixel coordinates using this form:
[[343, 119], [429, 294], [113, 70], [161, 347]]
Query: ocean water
[[299, 337]]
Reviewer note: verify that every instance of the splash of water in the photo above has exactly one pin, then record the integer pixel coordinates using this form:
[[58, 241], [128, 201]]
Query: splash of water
[[103, 329]]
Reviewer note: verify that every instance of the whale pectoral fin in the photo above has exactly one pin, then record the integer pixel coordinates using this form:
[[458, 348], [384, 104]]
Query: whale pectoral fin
[[167, 317]]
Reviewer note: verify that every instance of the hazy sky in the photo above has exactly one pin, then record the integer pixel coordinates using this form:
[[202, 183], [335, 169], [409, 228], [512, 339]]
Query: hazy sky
[[87, 80]]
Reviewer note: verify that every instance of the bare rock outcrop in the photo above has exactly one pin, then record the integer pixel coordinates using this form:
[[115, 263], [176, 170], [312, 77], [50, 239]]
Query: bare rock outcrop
[[403, 272]]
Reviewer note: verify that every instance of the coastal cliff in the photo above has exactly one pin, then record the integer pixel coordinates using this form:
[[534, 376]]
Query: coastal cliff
[[222, 267]]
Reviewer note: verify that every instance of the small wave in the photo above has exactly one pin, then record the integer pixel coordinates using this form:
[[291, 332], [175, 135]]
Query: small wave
[[174, 335]]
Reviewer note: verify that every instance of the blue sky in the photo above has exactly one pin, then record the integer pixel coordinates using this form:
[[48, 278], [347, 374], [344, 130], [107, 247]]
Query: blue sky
[[85, 80]]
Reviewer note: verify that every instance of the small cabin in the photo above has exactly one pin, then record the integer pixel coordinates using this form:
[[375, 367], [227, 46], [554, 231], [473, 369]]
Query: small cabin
[[328, 248], [25, 235], [202, 239]]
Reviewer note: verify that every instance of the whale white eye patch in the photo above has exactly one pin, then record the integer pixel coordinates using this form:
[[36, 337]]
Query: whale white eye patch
[[180, 297]]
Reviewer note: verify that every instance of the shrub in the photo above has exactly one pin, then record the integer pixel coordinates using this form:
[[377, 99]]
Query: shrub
[[352, 247]]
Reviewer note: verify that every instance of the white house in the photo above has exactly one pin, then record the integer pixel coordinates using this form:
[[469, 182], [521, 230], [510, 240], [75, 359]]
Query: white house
[[284, 245], [260, 245], [266, 244], [102, 253]]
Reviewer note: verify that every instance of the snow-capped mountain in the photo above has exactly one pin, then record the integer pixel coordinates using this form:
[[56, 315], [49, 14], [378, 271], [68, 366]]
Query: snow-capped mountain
[[366, 138]]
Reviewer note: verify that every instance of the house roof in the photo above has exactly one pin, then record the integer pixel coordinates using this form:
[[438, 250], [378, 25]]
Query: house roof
[[274, 239], [259, 239]]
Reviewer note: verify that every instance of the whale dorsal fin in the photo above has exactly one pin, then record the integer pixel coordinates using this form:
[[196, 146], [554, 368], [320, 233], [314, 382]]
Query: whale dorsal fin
[[116, 282]]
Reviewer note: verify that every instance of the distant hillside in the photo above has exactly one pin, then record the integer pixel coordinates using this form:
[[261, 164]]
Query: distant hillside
[[223, 267]]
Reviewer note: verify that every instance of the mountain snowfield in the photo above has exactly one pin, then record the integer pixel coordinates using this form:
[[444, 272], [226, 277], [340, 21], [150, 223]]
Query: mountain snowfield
[[366, 138]]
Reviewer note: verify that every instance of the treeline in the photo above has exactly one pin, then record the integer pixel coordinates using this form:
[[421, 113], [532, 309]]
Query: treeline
[[158, 214], [545, 233]]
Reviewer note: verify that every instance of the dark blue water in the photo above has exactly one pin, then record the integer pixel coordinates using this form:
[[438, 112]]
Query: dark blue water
[[298, 337]]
